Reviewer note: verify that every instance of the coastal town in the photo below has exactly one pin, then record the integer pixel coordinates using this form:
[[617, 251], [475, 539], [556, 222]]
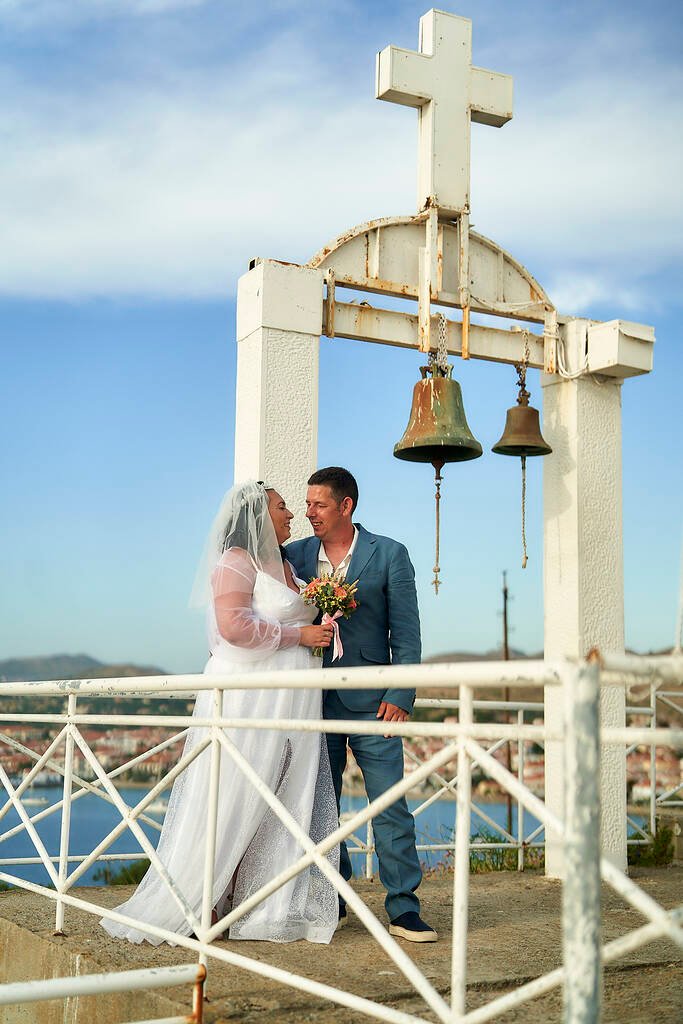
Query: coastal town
[[22, 743]]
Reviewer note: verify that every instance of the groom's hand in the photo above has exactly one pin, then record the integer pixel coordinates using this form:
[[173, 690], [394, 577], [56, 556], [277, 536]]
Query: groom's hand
[[391, 713]]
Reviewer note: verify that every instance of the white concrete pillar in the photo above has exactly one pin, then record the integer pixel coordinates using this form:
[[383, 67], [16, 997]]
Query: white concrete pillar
[[279, 321], [583, 569]]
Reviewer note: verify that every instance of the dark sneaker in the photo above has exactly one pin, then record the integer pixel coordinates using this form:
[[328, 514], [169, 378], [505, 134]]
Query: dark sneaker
[[410, 926], [343, 917]]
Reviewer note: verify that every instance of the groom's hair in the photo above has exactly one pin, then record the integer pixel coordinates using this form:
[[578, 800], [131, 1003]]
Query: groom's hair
[[340, 482]]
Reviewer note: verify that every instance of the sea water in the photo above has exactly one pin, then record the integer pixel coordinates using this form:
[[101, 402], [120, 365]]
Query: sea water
[[92, 818]]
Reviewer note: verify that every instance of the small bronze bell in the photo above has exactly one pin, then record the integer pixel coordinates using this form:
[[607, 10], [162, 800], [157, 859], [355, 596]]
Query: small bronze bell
[[522, 437], [522, 434], [437, 431]]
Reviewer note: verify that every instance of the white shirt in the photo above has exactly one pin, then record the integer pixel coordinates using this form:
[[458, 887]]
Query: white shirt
[[325, 566]]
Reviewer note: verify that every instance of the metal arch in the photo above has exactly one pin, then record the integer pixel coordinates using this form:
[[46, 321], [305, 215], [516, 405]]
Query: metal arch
[[382, 256]]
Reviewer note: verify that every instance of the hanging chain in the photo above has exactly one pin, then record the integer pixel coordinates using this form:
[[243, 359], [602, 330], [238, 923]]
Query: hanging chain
[[521, 368], [442, 350], [438, 361]]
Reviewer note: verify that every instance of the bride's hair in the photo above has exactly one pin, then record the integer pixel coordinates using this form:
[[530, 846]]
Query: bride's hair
[[243, 522]]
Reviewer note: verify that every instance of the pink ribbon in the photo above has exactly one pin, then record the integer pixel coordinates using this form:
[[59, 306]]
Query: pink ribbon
[[337, 646]]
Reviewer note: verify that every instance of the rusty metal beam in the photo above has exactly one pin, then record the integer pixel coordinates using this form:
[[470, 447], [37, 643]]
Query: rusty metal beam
[[362, 322]]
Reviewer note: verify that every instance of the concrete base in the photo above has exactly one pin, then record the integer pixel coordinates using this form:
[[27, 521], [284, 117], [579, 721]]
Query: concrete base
[[514, 937]]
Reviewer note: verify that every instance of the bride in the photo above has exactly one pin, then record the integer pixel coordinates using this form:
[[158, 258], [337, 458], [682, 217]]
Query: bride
[[257, 621]]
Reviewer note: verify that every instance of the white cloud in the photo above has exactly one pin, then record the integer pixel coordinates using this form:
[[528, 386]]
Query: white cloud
[[29, 13], [171, 194], [168, 189], [588, 176], [577, 293]]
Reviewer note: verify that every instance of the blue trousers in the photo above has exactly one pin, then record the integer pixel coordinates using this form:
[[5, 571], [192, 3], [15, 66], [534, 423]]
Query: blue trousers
[[380, 760]]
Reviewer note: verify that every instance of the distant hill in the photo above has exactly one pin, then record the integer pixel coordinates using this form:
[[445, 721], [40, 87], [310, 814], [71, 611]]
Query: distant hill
[[666, 715], [82, 666], [69, 666], [515, 655], [494, 655], [515, 693]]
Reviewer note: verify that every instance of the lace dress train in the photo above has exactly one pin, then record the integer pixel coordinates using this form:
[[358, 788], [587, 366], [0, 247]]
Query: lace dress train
[[252, 844]]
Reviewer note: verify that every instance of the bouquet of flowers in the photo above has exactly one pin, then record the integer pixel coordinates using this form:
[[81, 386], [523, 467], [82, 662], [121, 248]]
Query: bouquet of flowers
[[335, 599]]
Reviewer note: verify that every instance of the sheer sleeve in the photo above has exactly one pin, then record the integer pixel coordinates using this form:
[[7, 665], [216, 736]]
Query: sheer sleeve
[[232, 584]]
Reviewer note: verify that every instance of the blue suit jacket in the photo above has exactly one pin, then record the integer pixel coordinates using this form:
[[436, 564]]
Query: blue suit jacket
[[385, 628]]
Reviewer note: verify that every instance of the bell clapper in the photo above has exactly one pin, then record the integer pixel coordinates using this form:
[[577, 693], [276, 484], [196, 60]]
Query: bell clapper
[[522, 435], [523, 400], [524, 555], [438, 466]]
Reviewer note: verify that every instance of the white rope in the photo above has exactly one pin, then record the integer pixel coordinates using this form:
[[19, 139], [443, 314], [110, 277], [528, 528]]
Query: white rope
[[562, 366], [505, 305]]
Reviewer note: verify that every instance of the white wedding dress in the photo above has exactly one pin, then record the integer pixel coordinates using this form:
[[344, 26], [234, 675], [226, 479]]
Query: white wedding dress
[[252, 844]]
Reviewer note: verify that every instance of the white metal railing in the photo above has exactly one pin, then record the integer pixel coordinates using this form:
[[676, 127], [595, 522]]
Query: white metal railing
[[17, 993], [465, 740], [667, 798], [512, 837]]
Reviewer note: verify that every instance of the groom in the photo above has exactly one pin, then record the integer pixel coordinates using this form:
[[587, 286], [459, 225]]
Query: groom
[[385, 630]]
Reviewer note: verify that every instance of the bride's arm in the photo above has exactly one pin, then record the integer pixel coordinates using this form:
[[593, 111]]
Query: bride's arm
[[233, 588]]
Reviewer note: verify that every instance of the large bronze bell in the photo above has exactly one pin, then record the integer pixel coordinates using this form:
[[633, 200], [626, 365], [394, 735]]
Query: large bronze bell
[[437, 430], [522, 434]]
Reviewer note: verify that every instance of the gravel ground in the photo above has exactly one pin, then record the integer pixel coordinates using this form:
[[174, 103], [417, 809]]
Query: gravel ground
[[514, 937]]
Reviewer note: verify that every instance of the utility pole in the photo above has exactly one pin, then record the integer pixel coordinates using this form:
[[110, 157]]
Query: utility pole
[[506, 649], [679, 617]]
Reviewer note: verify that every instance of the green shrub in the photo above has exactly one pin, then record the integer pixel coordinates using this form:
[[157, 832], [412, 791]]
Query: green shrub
[[501, 859], [131, 874], [658, 853], [481, 861]]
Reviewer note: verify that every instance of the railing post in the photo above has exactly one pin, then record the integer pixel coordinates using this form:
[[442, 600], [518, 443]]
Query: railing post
[[212, 811], [369, 840], [198, 997], [653, 761], [520, 805], [66, 813], [461, 874], [581, 889]]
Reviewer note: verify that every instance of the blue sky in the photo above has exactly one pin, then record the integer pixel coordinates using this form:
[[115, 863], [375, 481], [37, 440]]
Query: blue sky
[[151, 148]]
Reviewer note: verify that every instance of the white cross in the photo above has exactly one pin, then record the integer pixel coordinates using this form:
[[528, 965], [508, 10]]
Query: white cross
[[449, 93]]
